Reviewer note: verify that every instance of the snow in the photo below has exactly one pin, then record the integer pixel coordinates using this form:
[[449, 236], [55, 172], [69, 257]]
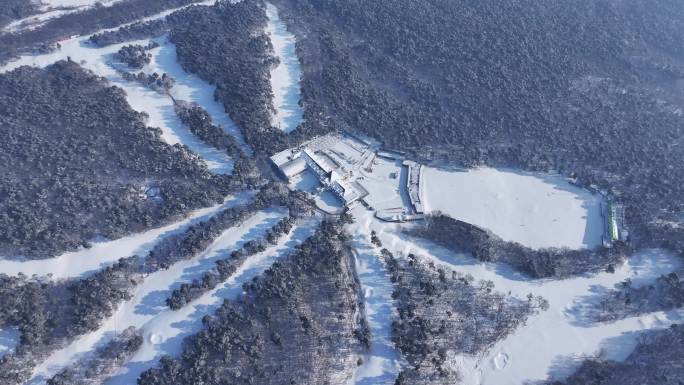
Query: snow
[[158, 107], [382, 363], [9, 338], [285, 77], [536, 210], [553, 342], [81, 262], [147, 308]]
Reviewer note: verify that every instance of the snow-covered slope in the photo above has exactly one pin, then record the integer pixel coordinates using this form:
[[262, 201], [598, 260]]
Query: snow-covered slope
[[285, 77], [81, 262], [168, 328], [148, 302], [381, 365], [536, 210]]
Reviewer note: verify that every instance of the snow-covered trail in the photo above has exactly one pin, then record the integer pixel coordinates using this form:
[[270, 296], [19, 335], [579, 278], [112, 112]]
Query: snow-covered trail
[[168, 328], [51, 9], [286, 76], [84, 261], [382, 364], [551, 342], [190, 87], [157, 106], [149, 297]]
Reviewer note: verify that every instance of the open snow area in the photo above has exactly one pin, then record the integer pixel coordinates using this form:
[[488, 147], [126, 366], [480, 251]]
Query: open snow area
[[285, 77], [158, 107], [553, 342], [536, 210], [81, 262], [164, 328]]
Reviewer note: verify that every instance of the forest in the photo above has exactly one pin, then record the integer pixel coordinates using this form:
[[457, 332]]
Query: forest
[[76, 162], [295, 324], [586, 88]]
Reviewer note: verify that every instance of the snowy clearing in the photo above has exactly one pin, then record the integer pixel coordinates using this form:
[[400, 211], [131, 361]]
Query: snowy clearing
[[536, 210], [148, 300], [158, 107], [81, 262], [551, 343], [285, 77]]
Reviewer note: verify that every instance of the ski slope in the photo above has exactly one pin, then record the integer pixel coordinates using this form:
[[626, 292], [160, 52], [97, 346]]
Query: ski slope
[[536, 210], [284, 77], [382, 363], [149, 297], [168, 328], [103, 253]]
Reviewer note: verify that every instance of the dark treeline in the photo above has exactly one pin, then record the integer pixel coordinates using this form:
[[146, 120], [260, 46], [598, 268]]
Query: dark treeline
[[77, 162], [136, 31], [15, 9], [227, 39], [443, 312], [657, 359], [51, 314], [296, 324], [84, 22], [104, 362], [226, 267], [538, 263], [585, 87]]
